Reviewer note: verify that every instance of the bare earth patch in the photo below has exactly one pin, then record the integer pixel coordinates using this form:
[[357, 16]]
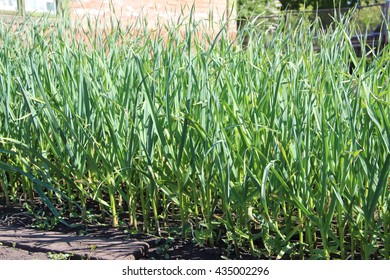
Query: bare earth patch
[[19, 241], [9, 253]]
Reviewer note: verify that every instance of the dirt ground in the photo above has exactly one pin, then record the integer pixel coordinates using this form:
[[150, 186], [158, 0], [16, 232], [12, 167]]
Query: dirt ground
[[177, 252], [9, 253], [159, 248]]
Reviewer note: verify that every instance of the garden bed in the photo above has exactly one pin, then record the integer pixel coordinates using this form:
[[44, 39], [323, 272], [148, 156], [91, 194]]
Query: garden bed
[[275, 152], [21, 241]]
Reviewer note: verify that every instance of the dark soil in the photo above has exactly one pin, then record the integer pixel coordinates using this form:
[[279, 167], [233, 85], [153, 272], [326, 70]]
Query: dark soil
[[159, 247]]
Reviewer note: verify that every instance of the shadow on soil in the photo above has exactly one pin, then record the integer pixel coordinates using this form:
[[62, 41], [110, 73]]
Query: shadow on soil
[[159, 247]]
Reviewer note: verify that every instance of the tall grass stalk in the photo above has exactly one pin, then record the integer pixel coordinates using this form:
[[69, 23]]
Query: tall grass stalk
[[272, 146]]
